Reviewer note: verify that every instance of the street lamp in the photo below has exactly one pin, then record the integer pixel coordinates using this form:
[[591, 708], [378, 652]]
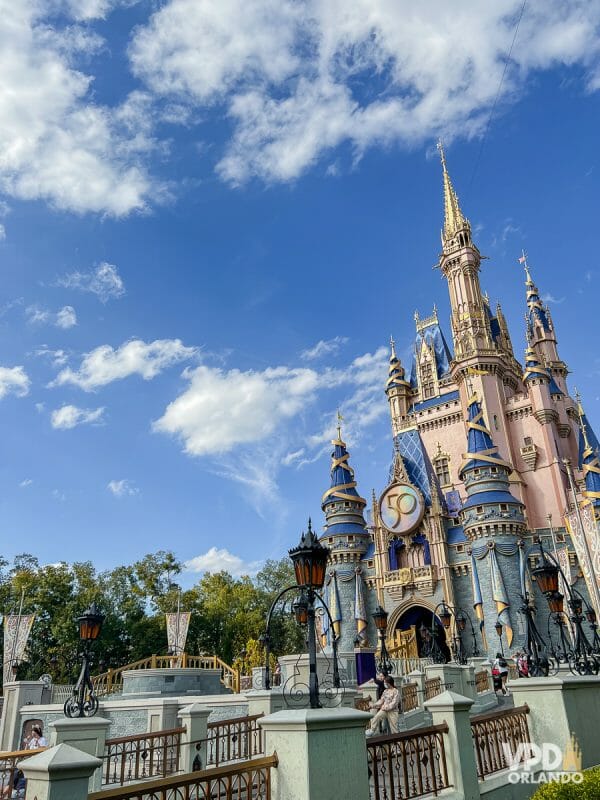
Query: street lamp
[[446, 614], [380, 617], [309, 558], [581, 654], [83, 702], [499, 629]]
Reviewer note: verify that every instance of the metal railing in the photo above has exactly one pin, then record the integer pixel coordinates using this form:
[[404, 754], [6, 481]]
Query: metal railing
[[433, 687], [8, 770], [112, 680], [143, 756], [482, 681], [61, 692], [248, 781], [492, 731], [409, 697], [408, 765], [232, 740]]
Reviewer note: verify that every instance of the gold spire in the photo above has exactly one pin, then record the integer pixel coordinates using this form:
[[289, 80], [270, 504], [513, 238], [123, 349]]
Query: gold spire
[[454, 219], [582, 425], [340, 419], [523, 260]]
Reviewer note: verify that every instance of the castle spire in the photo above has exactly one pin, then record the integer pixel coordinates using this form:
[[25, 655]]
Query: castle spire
[[454, 219], [397, 389], [538, 322], [590, 463]]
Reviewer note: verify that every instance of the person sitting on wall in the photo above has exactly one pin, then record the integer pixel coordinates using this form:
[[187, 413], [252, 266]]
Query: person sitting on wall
[[387, 707]]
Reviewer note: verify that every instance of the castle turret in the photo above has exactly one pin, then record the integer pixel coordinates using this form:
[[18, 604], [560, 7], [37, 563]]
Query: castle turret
[[541, 336], [589, 462], [490, 509], [348, 539], [398, 392]]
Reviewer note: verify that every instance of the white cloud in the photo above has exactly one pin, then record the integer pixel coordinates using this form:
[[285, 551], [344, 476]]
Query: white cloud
[[65, 318], [122, 488], [25, 483], [221, 409], [292, 458], [58, 357], [68, 416], [104, 281], [13, 380], [299, 77], [58, 144], [215, 560], [549, 298], [323, 347], [105, 364]]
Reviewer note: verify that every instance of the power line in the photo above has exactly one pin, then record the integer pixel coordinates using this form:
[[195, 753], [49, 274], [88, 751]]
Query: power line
[[497, 97]]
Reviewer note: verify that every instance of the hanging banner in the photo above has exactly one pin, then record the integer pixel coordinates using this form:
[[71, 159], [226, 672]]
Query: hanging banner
[[177, 631], [586, 541], [17, 628], [360, 613]]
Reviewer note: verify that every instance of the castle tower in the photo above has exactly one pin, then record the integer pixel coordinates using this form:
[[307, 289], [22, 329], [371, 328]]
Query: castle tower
[[540, 332], [398, 392], [460, 263], [589, 463], [346, 535], [490, 509]]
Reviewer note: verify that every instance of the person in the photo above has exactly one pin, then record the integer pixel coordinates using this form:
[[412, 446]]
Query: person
[[522, 665], [37, 738], [500, 669], [380, 683], [16, 784], [387, 708]]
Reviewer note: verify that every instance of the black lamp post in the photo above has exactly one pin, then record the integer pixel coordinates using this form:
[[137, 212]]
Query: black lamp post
[[380, 616], [447, 614], [499, 629], [83, 702], [580, 654], [309, 558]]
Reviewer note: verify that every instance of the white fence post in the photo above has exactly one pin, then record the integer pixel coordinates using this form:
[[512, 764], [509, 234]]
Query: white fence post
[[194, 719], [59, 773]]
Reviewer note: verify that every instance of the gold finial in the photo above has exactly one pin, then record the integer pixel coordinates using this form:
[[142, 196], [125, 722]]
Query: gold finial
[[340, 419], [393, 348], [523, 260], [582, 425], [454, 219]]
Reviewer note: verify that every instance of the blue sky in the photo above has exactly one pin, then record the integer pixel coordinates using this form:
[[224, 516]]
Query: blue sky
[[215, 213]]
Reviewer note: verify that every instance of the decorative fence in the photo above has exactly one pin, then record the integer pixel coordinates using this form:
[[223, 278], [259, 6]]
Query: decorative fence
[[233, 740], [61, 692], [492, 731], [9, 772], [482, 681], [112, 680], [146, 755], [409, 697], [248, 781], [433, 687], [408, 765]]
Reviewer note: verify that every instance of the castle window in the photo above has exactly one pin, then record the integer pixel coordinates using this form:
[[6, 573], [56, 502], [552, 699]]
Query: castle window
[[442, 470], [495, 422], [479, 509], [351, 538], [503, 507], [460, 548], [528, 441], [346, 505]]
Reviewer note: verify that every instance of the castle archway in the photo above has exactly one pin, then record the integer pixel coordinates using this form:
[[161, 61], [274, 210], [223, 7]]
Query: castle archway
[[421, 622]]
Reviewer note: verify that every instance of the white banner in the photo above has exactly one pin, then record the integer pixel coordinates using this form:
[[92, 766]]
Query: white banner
[[177, 631], [16, 633], [587, 546]]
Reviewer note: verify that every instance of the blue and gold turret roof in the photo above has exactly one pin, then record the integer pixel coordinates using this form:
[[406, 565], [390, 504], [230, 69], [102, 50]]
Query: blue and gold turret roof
[[589, 462], [396, 373], [481, 450], [342, 504], [536, 312], [533, 368], [482, 454]]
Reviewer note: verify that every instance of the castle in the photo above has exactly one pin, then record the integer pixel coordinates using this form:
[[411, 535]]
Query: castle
[[488, 456]]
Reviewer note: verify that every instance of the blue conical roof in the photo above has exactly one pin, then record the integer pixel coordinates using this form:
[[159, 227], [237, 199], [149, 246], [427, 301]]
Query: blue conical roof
[[481, 450], [533, 368], [535, 308], [342, 504]]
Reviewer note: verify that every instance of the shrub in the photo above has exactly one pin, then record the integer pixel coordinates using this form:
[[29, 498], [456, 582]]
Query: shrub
[[588, 789]]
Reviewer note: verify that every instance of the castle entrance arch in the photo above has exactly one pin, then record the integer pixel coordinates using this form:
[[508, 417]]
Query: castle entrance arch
[[414, 628]]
